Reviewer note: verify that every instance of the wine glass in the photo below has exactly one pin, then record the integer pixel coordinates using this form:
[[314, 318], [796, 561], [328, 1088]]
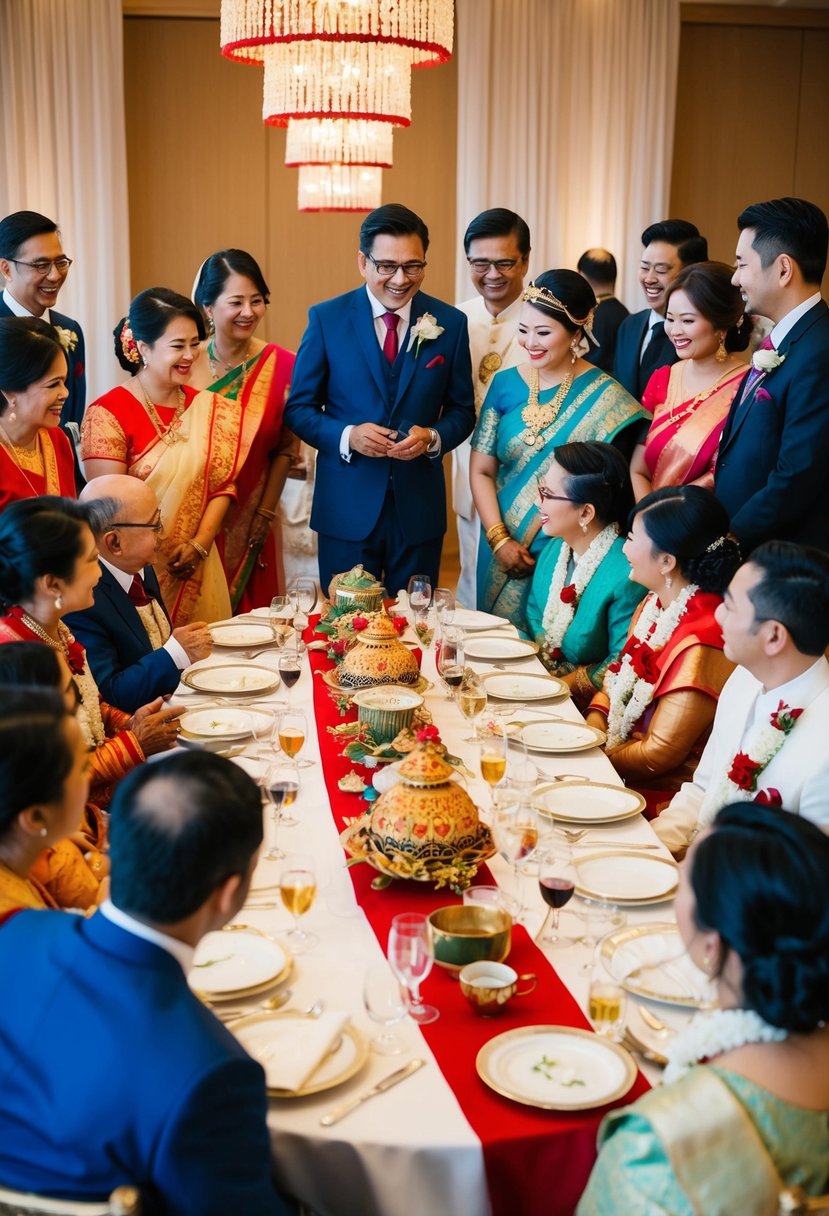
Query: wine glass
[[523, 774], [261, 729], [492, 758], [281, 788], [472, 702], [605, 1001], [451, 661], [556, 882], [423, 626], [420, 591], [297, 890], [290, 669], [444, 602], [515, 833], [306, 595], [281, 610], [291, 731], [410, 958], [385, 1002]]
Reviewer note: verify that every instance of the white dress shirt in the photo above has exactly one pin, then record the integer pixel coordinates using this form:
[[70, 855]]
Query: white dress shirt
[[181, 951], [19, 311], [788, 322]]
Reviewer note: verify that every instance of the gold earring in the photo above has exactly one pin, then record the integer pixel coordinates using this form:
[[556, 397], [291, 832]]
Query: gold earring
[[722, 353], [574, 351]]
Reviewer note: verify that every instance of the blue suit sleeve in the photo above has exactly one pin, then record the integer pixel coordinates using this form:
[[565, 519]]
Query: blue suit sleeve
[[127, 688], [304, 411], [457, 419]]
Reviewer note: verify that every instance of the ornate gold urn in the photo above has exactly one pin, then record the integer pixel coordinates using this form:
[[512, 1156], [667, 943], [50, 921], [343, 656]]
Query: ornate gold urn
[[379, 657]]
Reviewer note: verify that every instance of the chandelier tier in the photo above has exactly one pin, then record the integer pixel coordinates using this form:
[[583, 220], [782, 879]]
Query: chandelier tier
[[364, 80], [339, 188], [350, 141]]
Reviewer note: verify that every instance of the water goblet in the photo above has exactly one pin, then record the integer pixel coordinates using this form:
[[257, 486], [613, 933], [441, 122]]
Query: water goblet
[[385, 1002], [280, 786], [451, 661], [291, 731], [410, 958], [515, 833], [557, 883], [420, 591], [444, 603], [306, 595], [297, 890]]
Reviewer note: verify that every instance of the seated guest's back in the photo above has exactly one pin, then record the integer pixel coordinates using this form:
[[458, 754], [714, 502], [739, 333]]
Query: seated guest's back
[[111, 1069], [725, 1136]]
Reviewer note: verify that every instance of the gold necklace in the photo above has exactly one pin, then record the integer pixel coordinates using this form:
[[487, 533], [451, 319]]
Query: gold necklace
[[169, 434], [538, 417], [686, 407], [13, 448], [215, 361], [37, 628]]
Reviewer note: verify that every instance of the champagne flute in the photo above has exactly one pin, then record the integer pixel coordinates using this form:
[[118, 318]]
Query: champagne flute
[[289, 669], [492, 758], [515, 833], [410, 958], [385, 1002], [451, 661], [472, 702], [291, 733], [297, 890], [444, 602], [420, 591], [281, 786], [280, 610], [556, 882]]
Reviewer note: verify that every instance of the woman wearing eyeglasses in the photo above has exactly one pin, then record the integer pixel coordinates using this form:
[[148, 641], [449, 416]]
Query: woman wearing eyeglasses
[[554, 397], [35, 455], [232, 293], [582, 597]]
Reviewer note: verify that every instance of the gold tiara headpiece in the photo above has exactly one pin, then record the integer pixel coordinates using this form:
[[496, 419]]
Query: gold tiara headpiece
[[542, 295]]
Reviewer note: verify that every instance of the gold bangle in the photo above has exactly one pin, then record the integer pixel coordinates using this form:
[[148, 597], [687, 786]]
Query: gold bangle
[[200, 549], [500, 544], [265, 513], [496, 530]]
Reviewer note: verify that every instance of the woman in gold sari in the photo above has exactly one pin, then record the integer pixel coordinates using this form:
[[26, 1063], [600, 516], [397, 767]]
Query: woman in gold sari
[[232, 293], [188, 445]]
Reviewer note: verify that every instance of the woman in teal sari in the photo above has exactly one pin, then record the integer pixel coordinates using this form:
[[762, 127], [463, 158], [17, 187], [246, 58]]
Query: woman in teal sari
[[556, 397]]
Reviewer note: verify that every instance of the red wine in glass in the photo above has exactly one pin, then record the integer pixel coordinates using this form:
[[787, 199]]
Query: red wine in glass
[[290, 675], [453, 676], [556, 892]]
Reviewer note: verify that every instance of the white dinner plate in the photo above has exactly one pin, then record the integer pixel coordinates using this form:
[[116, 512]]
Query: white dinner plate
[[221, 722], [626, 878], [471, 621], [242, 633], [587, 801], [507, 686], [554, 737], [651, 961], [234, 964], [232, 679], [497, 646], [556, 1067], [261, 1033]]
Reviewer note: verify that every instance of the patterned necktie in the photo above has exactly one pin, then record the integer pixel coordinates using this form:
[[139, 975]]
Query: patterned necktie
[[390, 344], [755, 374], [137, 593]]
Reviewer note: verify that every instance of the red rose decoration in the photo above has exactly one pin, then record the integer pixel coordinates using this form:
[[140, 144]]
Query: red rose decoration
[[359, 623], [427, 734], [643, 662], [769, 797], [744, 772], [556, 652], [339, 646], [400, 623], [568, 594]]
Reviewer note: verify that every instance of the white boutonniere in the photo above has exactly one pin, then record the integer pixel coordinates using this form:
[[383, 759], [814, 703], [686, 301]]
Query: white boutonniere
[[766, 360], [67, 338], [425, 329]]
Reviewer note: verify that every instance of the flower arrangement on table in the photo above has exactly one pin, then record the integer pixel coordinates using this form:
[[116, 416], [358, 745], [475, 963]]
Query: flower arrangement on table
[[363, 748]]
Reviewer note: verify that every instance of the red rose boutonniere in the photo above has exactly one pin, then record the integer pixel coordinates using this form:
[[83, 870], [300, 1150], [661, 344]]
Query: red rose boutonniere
[[744, 771], [784, 718], [75, 657], [568, 594]]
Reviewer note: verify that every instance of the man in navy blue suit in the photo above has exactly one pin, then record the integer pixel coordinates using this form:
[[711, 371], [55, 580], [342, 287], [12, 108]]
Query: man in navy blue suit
[[112, 1071], [774, 450], [642, 345], [134, 653], [35, 267], [382, 388]]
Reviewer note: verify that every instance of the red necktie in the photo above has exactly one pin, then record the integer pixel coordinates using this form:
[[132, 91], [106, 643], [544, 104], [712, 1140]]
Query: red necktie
[[390, 346], [137, 593]]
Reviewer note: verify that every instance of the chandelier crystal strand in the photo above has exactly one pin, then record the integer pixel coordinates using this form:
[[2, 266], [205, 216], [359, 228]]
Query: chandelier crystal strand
[[337, 80], [339, 188], [349, 141]]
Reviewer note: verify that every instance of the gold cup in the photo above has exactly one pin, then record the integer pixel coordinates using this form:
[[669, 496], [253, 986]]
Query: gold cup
[[489, 987]]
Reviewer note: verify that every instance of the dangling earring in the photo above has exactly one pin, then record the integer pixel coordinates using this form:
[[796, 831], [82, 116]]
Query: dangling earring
[[59, 603], [669, 582], [722, 353], [582, 525], [574, 351], [211, 325]]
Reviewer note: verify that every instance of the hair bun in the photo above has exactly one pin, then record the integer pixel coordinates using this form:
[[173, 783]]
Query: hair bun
[[790, 988]]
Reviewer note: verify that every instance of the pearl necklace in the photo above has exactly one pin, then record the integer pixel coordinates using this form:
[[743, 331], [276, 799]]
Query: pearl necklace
[[538, 417], [715, 1031], [167, 434]]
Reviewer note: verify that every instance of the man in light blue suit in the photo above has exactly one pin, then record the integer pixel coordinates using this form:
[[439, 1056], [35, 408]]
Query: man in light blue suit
[[112, 1071], [382, 388]]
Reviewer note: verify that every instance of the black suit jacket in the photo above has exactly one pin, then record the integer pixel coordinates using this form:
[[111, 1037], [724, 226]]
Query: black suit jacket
[[626, 366], [774, 452], [75, 403], [609, 316], [128, 672]]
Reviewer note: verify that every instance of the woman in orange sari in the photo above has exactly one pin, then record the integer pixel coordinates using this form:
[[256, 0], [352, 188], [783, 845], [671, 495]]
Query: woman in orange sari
[[232, 293], [35, 454], [188, 445], [690, 400], [659, 697]]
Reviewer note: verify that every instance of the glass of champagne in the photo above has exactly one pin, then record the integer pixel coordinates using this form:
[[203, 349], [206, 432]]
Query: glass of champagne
[[290, 669], [444, 602], [297, 890], [605, 1001], [492, 757], [410, 958], [556, 882], [451, 661], [515, 833], [281, 788], [385, 1002], [472, 702], [420, 591], [281, 610], [291, 733]]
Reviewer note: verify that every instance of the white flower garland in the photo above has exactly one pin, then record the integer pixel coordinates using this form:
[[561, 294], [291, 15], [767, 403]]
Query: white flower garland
[[558, 615], [713, 1032], [629, 694], [763, 746]]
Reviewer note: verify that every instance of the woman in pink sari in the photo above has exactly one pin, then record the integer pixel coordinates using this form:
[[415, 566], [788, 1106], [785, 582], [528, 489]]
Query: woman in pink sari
[[690, 400]]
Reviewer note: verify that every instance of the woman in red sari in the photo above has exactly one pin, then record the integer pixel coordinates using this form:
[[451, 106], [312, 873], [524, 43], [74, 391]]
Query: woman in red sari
[[232, 293], [658, 699], [35, 454], [690, 400]]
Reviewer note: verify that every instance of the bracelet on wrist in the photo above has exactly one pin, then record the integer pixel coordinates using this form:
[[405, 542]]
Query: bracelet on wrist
[[265, 513], [200, 549], [496, 531], [500, 544]]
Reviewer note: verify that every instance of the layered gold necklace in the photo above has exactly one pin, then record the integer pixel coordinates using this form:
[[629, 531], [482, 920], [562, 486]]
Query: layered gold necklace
[[539, 417], [216, 362], [32, 456], [167, 434]]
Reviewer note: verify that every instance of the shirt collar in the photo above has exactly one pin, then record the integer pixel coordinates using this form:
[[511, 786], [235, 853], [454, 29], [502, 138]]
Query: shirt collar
[[378, 309], [783, 327], [796, 693], [15, 307], [123, 579], [180, 951], [655, 318]]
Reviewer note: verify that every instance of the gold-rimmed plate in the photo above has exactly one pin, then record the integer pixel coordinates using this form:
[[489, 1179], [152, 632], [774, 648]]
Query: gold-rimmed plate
[[232, 679], [558, 736], [497, 647], [222, 722], [556, 1068], [651, 961], [587, 801], [626, 878], [259, 1034], [522, 686], [227, 966], [234, 634]]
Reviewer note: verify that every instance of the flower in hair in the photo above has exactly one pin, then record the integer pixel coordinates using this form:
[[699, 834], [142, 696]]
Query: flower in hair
[[128, 344]]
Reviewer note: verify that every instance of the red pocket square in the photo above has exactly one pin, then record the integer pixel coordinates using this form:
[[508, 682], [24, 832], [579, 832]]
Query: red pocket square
[[436, 362]]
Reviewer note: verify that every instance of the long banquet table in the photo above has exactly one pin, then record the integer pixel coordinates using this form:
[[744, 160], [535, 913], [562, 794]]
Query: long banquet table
[[418, 1149]]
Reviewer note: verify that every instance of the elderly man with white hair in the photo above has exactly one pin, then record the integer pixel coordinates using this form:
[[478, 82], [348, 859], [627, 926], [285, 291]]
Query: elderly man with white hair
[[133, 652]]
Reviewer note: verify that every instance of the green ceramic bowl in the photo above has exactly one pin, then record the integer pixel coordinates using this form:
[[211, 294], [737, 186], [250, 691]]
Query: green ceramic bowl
[[464, 934]]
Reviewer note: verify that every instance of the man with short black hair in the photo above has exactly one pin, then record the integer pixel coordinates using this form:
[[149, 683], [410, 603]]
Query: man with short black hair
[[642, 345], [497, 247], [768, 741], [382, 388], [774, 450], [112, 1071], [598, 266]]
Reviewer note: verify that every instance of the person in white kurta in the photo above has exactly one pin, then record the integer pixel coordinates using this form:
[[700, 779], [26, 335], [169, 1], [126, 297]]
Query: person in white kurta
[[497, 245], [775, 623]]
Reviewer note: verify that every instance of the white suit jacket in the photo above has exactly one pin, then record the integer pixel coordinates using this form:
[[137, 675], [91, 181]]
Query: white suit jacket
[[800, 770]]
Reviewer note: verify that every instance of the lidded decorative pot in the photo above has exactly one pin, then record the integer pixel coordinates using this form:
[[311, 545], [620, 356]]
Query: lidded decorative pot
[[379, 657]]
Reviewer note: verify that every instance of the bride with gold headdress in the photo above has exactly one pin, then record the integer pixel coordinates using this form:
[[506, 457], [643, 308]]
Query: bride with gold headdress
[[555, 397]]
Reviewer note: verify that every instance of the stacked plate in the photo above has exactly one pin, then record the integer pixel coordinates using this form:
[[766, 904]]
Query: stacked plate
[[221, 724], [580, 802], [556, 1068], [506, 686], [228, 965], [232, 679], [619, 877]]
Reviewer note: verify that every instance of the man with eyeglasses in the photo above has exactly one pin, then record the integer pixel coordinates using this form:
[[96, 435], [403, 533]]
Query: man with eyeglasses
[[133, 653], [497, 247], [382, 389], [35, 267]]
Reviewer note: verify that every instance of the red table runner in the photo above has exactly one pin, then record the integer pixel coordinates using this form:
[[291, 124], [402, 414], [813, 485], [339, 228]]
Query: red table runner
[[536, 1161]]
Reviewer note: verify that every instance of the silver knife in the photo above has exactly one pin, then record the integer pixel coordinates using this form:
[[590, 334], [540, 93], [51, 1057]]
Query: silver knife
[[394, 1078]]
